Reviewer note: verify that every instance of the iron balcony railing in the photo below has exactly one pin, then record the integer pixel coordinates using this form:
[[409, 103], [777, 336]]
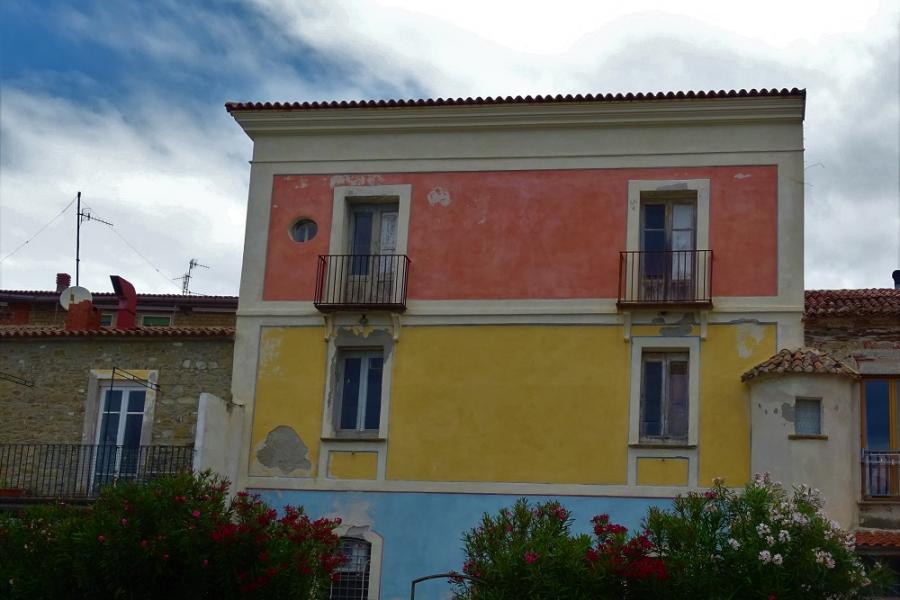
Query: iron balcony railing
[[76, 471], [665, 277], [362, 281], [881, 473]]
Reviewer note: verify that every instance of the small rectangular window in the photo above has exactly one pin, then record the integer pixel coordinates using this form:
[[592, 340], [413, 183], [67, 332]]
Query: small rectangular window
[[359, 378], [664, 397], [106, 319], [808, 416], [156, 320]]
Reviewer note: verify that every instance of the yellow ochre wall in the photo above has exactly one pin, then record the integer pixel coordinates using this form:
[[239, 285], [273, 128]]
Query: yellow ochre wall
[[543, 404], [517, 403], [662, 471], [290, 386]]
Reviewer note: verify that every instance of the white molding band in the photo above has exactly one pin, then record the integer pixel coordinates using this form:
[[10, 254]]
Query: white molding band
[[636, 186], [339, 212]]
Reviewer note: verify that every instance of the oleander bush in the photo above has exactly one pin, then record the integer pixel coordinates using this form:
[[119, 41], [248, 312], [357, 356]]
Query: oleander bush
[[762, 542], [174, 537]]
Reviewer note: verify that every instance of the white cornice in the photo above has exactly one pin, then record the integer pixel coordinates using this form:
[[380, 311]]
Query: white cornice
[[587, 114]]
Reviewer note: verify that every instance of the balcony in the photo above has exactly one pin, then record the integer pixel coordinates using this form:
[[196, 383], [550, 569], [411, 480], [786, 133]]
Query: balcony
[[78, 472], [362, 282], [881, 474], [665, 278]]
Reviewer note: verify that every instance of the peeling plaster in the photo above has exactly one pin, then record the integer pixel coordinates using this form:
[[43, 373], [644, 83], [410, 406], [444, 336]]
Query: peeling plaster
[[354, 514], [680, 328], [439, 196], [284, 450], [355, 180], [748, 335], [742, 175], [269, 350], [787, 411]]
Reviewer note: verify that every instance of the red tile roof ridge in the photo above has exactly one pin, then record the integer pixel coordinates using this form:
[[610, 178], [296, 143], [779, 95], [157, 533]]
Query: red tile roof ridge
[[113, 295], [852, 302], [26, 331], [538, 99], [877, 538], [800, 360]]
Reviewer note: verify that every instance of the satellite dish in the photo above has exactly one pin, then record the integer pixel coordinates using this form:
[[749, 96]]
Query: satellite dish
[[74, 295]]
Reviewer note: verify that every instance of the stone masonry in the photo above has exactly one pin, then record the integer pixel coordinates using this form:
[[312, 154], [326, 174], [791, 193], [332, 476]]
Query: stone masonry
[[52, 411]]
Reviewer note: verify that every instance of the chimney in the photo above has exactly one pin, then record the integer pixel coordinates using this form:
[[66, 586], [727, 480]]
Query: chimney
[[896, 275], [126, 312], [82, 316], [63, 280]]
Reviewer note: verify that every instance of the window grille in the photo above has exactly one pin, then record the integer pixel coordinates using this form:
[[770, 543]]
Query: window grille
[[353, 575]]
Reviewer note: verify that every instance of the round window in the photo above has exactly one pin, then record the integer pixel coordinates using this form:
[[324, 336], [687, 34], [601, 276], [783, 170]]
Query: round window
[[304, 230]]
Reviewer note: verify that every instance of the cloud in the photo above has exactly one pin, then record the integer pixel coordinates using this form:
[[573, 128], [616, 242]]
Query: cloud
[[144, 136], [173, 186]]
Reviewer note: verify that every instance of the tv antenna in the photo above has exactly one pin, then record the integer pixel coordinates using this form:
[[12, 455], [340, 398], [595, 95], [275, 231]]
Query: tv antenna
[[82, 215], [186, 278]]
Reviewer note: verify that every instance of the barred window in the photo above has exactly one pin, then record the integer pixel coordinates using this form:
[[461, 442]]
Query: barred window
[[353, 576]]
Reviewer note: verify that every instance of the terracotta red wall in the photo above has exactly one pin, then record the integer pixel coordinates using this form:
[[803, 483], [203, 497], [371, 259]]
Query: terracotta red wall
[[530, 234]]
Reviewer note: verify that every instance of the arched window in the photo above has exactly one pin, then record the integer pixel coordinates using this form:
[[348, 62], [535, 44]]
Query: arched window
[[353, 576]]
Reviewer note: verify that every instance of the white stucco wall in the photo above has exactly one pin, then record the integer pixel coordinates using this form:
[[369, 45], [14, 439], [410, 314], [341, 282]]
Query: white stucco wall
[[218, 437], [830, 464]]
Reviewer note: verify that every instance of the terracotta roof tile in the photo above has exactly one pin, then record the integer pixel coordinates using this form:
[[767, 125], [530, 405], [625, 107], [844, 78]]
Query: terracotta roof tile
[[58, 332], [801, 360], [546, 99], [877, 538], [852, 303]]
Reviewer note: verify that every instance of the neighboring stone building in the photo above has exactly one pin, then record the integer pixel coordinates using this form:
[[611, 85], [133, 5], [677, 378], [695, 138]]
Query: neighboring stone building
[[96, 402], [827, 414], [25, 307]]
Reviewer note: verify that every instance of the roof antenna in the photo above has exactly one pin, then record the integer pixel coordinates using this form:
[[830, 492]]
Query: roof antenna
[[82, 215], [186, 278]]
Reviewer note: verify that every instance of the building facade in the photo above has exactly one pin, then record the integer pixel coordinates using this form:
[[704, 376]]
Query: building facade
[[449, 304], [82, 404]]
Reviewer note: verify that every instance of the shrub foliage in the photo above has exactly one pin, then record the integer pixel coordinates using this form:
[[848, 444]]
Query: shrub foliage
[[175, 537], [761, 543]]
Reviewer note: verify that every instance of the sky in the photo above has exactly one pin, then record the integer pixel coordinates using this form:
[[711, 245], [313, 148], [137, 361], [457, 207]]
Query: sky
[[123, 101]]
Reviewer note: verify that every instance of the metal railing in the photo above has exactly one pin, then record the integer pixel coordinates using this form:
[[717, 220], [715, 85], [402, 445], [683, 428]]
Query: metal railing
[[77, 471], [362, 281], [881, 473], [666, 277]]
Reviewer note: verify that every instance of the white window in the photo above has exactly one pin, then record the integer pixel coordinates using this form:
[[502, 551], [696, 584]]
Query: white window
[[358, 408], [120, 428], [156, 320], [808, 416], [664, 397], [107, 319]]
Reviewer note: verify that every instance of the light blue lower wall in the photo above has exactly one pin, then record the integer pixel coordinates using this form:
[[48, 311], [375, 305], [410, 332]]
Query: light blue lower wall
[[422, 532]]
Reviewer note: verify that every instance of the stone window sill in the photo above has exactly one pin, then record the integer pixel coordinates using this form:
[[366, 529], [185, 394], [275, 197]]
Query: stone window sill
[[798, 436], [660, 445], [353, 438]]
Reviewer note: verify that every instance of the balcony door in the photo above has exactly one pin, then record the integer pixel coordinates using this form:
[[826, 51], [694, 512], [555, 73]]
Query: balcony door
[[373, 246], [881, 437], [119, 427], [668, 244]]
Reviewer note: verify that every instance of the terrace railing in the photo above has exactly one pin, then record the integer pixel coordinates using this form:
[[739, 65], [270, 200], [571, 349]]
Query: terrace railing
[[665, 278], [881, 474], [361, 282], [77, 471]]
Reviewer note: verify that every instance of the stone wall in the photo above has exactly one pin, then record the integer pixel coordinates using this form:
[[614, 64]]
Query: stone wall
[[868, 344], [53, 410]]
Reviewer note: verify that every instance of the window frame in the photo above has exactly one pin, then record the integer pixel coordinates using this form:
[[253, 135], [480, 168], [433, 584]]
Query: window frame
[[366, 575], [640, 344], [819, 406], [666, 358], [144, 316], [366, 354]]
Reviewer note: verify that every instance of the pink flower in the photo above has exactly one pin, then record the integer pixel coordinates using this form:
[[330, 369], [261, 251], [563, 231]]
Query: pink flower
[[530, 557], [165, 557], [101, 538], [196, 514], [124, 522], [143, 543], [205, 562]]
